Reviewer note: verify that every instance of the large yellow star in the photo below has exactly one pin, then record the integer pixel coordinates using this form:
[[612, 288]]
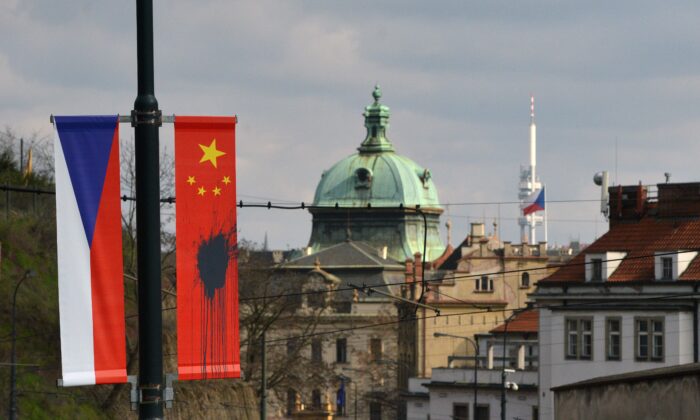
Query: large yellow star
[[210, 153]]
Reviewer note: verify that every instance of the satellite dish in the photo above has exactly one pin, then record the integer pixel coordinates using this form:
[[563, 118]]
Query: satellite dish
[[598, 179]]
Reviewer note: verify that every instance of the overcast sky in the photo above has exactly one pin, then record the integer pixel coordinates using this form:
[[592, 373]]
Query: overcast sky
[[456, 75]]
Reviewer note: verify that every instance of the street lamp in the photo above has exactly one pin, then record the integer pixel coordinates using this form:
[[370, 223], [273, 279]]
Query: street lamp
[[476, 355], [13, 357]]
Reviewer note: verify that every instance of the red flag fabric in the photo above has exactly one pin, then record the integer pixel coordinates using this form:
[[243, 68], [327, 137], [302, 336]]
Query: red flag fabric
[[206, 253]]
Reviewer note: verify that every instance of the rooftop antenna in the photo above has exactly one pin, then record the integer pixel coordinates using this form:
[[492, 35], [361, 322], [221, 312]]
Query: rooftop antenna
[[601, 179], [667, 175]]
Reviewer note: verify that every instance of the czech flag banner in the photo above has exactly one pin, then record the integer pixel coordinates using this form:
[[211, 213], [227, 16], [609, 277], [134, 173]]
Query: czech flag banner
[[207, 254], [534, 202], [89, 242]]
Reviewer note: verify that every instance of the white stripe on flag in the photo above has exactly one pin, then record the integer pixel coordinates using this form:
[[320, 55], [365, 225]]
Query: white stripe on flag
[[74, 281]]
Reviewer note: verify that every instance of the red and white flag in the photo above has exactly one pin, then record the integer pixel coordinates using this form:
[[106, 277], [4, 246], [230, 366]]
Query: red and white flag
[[89, 242], [207, 270]]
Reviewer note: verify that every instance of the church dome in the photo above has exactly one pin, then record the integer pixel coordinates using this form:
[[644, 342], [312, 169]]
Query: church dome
[[376, 174]]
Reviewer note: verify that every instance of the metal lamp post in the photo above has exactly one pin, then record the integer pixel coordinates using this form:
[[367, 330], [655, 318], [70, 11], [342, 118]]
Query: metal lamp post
[[146, 120], [476, 355], [13, 357]]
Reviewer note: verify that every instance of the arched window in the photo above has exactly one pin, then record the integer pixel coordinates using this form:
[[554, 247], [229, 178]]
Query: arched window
[[525, 280]]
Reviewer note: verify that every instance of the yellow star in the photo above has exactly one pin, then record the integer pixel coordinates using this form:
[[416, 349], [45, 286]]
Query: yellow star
[[210, 153], [216, 191], [190, 180], [226, 180], [201, 191]]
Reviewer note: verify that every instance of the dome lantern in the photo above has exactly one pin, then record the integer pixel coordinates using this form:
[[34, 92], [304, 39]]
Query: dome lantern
[[376, 121]]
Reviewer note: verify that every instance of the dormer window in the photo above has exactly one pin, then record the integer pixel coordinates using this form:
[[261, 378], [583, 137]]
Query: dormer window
[[484, 284], [363, 178], [596, 269], [670, 265], [666, 268], [600, 266]]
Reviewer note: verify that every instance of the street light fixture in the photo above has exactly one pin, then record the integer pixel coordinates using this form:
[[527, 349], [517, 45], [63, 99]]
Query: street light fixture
[[476, 355], [13, 357]]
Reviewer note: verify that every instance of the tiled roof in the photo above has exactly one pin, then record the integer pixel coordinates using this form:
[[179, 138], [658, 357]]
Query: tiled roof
[[639, 240], [345, 254], [524, 322]]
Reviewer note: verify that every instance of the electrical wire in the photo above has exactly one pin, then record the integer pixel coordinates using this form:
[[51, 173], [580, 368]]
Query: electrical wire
[[467, 276]]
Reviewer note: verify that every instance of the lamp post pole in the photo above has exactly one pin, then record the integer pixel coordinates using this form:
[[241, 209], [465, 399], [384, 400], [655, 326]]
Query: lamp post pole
[[476, 355], [503, 368], [13, 355], [146, 120]]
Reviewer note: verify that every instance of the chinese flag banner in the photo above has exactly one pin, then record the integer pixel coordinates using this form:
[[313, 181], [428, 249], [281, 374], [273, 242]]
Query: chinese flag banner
[[207, 269]]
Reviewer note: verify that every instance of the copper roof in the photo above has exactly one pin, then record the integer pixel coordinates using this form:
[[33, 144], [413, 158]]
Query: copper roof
[[524, 322], [639, 240]]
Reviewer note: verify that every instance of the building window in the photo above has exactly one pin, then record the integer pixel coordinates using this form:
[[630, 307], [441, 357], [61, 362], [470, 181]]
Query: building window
[[291, 401], [375, 411], [613, 333], [341, 350], [316, 299], [666, 268], [316, 399], [375, 349], [649, 339], [292, 344], [579, 338], [525, 280], [596, 269], [535, 412], [482, 412], [316, 350], [460, 411], [484, 284]]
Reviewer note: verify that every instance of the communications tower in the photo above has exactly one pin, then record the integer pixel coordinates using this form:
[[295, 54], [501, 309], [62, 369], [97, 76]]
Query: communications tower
[[530, 185]]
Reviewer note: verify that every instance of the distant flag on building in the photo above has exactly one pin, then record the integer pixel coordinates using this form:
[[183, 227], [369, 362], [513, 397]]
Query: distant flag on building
[[534, 202], [340, 397], [89, 242], [207, 270]]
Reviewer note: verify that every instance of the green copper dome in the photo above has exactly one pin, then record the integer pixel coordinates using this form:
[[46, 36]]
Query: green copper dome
[[376, 175]]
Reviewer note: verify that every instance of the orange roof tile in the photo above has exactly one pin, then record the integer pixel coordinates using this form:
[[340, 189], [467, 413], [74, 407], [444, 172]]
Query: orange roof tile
[[640, 240], [527, 321]]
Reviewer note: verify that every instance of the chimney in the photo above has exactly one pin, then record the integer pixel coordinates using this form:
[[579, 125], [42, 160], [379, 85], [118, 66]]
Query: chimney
[[477, 230], [628, 202], [679, 199], [507, 249]]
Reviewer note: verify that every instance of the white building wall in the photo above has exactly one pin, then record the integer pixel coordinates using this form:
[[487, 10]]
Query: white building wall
[[556, 370], [519, 404]]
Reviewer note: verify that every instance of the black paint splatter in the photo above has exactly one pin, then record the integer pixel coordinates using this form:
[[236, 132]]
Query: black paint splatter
[[214, 256], [212, 262]]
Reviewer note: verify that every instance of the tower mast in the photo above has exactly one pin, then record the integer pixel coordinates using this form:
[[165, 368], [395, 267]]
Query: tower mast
[[529, 183]]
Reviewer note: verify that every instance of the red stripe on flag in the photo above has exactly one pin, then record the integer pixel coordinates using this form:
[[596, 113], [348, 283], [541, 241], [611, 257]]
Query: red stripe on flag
[[109, 335], [207, 270]]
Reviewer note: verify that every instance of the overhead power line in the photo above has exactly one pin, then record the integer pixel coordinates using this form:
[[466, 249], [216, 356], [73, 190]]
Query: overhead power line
[[463, 276]]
